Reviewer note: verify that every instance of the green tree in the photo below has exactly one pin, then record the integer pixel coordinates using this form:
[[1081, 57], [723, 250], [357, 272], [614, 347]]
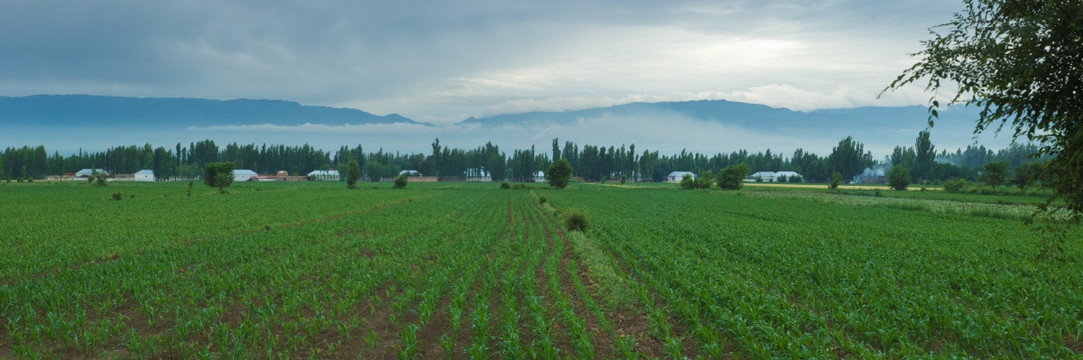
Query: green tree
[[352, 174], [925, 156], [898, 177], [995, 173], [732, 177], [559, 173], [849, 158], [1019, 62], [218, 174], [1027, 175]]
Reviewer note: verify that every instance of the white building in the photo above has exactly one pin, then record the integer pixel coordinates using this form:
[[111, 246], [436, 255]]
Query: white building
[[243, 175], [788, 175], [409, 173], [677, 176], [324, 175], [477, 174], [88, 172], [144, 175], [772, 176]]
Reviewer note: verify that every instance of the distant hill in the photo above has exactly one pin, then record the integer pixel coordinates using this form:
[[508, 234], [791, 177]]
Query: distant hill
[[69, 123], [87, 110], [875, 125]]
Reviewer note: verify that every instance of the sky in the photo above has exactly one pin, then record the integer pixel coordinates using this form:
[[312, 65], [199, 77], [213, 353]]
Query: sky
[[443, 61]]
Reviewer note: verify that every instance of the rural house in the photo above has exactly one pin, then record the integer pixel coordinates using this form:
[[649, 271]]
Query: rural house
[[772, 176], [677, 176], [87, 172], [144, 175], [324, 175], [243, 175]]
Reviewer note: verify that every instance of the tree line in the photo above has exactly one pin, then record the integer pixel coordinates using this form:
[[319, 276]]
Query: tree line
[[590, 162]]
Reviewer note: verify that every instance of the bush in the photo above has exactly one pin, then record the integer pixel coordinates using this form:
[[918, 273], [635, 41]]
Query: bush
[[400, 181], [352, 174], [704, 180], [97, 178], [835, 178], [954, 185], [519, 186], [218, 174], [559, 173], [687, 182], [575, 220], [117, 196], [732, 177], [543, 200], [505, 185], [190, 183], [898, 177]]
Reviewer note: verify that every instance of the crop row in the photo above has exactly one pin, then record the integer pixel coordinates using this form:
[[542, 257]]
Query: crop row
[[764, 277]]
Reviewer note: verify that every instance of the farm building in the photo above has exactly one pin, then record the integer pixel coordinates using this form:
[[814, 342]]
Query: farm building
[[789, 176], [324, 175], [243, 175], [477, 174], [764, 176], [539, 177], [144, 175], [677, 176], [772, 176], [410, 173], [87, 172]]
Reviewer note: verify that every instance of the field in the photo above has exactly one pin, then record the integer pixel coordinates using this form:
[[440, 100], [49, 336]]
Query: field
[[438, 270]]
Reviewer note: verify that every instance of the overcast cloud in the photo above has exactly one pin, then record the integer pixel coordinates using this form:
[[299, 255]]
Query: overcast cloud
[[443, 61]]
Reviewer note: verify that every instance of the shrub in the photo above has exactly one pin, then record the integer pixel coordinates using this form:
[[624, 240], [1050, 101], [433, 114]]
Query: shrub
[[687, 182], [218, 174], [117, 196], [543, 200], [954, 185], [190, 183], [704, 180], [898, 177], [519, 186], [505, 185], [559, 173], [623, 179], [352, 174], [575, 220], [732, 177], [835, 178], [97, 178], [400, 181]]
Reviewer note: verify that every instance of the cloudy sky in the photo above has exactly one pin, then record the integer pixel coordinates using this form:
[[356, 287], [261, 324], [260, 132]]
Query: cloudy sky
[[443, 61]]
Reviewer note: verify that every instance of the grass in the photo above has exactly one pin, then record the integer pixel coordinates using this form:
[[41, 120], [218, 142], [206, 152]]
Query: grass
[[437, 269]]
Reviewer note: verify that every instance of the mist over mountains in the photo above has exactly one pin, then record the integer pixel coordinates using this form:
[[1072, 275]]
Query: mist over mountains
[[67, 123]]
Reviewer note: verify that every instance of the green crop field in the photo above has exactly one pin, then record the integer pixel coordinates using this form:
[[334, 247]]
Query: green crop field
[[452, 270]]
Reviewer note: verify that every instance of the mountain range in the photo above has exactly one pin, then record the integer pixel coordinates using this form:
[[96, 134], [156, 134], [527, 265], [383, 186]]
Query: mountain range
[[69, 122]]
